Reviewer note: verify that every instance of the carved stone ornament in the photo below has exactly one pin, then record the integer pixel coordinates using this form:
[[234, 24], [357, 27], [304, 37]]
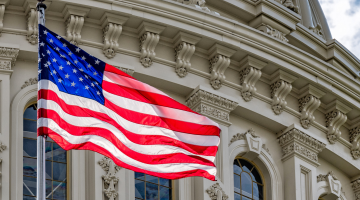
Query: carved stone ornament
[[31, 81], [273, 32], [250, 73], [322, 177], [355, 141], [74, 26], [289, 4], [32, 26], [183, 54], [253, 143], [2, 12], [109, 180], [334, 120], [198, 4], [218, 65], [216, 192], [111, 36], [2, 147], [266, 149], [317, 30], [332, 184], [211, 105], [242, 136], [356, 187], [148, 43], [11, 53], [295, 142]]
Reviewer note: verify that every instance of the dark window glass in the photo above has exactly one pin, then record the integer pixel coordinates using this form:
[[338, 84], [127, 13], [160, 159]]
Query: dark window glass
[[56, 162], [248, 184], [149, 187]]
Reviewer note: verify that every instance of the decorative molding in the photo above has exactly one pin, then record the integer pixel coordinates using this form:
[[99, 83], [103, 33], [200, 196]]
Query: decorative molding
[[289, 4], [32, 21], [333, 185], [335, 118], [8, 57], [355, 141], [295, 142], [322, 177], [242, 136], [184, 50], [211, 105], [273, 32], [31, 81], [253, 142], [149, 37], [74, 17], [356, 187], [317, 30], [109, 180], [280, 88], [216, 192], [309, 101], [198, 4], [126, 70], [112, 28], [2, 147], [250, 73], [2, 12], [219, 62]]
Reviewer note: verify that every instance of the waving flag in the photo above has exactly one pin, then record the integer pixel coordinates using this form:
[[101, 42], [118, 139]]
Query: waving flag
[[86, 104]]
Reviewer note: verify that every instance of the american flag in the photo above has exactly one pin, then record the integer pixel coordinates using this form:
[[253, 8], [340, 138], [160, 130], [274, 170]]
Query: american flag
[[86, 104]]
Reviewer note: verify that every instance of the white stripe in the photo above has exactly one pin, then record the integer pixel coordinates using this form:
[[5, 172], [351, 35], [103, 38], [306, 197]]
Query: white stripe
[[200, 140], [162, 111], [99, 141], [92, 122]]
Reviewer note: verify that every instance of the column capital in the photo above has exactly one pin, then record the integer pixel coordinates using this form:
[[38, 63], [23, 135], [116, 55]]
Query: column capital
[[8, 56], [209, 104], [356, 187], [295, 142]]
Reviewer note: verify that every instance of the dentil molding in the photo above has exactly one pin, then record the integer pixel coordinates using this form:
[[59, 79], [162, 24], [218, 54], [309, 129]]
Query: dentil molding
[[184, 50], [280, 88], [31, 81], [219, 62], [109, 180], [295, 142], [112, 28], [74, 17], [335, 118], [216, 192], [250, 73], [149, 35], [309, 101], [211, 105]]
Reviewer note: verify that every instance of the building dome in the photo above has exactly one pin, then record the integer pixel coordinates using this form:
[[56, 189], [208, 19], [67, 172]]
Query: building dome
[[283, 91]]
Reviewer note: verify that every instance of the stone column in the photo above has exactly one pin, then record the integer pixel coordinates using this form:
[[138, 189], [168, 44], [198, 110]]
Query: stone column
[[300, 160], [8, 57], [217, 107]]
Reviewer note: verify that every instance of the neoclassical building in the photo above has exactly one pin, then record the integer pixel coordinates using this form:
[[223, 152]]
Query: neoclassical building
[[285, 93]]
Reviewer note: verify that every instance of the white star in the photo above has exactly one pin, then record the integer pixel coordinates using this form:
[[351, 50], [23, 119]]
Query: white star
[[39, 71], [54, 60], [98, 93], [62, 56], [45, 32], [70, 53], [89, 66], [57, 49], [92, 84], [83, 58], [68, 63], [59, 80], [86, 76], [64, 45], [96, 83], [48, 52], [76, 61], [50, 73], [61, 67], [97, 62], [81, 69], [39, 60], [42, 44], [86, 87], [42, 54], [51, 41], [58, 37], [49, 63], [67, 76], [78, 50], [73, 84], [81, 79], [74, 70], [46, 65], [54, 71], [95, 73]]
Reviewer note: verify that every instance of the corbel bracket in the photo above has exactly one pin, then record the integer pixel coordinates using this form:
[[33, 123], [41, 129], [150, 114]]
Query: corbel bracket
[[335, 118], [250, 73], [355, 139], [3, 4], [32, 20], [112, 28], [149, 35], [184, 50], [280, 88], [219, 62], [309, 101], [74, 17]]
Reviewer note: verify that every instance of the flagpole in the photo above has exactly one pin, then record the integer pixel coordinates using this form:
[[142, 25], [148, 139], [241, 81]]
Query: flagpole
[[41, 183]]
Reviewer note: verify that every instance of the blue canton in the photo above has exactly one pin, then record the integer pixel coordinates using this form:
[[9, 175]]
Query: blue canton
[[73, 70]]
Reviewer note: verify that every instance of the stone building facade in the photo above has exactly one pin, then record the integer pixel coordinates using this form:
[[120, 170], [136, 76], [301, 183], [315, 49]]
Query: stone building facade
[[285, 93]]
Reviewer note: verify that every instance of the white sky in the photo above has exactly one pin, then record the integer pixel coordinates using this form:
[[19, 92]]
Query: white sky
[[343, 17]]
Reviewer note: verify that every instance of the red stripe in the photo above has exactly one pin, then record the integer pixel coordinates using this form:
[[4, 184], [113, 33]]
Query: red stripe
[[90, 146], [135, 138], [106, 134], [146, 97], [115, 70]]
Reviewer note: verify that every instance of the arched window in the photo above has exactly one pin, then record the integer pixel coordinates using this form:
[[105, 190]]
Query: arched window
[[248, 184], [56, 162], [152, 188]]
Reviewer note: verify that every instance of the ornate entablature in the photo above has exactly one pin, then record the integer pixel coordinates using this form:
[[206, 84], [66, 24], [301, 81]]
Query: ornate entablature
[[211, 105], [296, 142]]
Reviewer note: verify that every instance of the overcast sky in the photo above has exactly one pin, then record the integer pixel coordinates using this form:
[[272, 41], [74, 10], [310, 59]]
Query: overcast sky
[[343, 17]]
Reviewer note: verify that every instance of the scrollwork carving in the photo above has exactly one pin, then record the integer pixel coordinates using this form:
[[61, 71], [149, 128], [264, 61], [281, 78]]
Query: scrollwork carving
[[111, 34], [32, 26], [109, 180], [218, 65], [148, 43], [216, 192], [74, 26], [307, 105], [334, 120], [183, 54], [31, 81], [241, 136], [279, 91]]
